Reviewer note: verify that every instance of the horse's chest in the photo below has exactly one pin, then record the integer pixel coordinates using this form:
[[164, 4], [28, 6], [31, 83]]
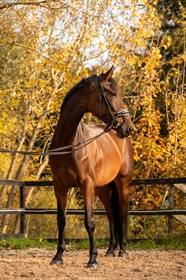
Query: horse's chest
[[74, 173]]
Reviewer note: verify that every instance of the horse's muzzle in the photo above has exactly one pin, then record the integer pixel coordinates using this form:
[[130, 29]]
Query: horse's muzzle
[[123, 132]]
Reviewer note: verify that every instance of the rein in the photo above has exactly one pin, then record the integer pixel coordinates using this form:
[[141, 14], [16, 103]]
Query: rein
[[62, 150]]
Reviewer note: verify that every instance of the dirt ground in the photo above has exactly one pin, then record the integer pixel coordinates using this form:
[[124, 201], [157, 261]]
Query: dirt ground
[[138, 265]]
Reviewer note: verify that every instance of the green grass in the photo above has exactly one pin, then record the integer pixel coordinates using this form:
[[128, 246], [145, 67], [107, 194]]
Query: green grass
[[24, 243], [166, 243]]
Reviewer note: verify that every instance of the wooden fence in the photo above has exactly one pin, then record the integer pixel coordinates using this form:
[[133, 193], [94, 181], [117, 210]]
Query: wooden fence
[[171, 212]]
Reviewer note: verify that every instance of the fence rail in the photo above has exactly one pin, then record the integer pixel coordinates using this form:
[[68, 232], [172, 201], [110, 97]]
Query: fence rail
[[148, 181], [158, 212], [22, 210]]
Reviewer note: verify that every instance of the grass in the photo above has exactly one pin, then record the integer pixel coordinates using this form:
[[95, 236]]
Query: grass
[[166, 243], [25, 243]]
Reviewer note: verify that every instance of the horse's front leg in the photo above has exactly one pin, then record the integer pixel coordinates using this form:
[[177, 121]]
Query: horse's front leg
[[61, 222], [104, 194], [122, 233], [123, 190], [88, 193]]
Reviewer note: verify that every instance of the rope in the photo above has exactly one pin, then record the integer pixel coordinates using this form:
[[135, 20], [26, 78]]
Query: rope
[[61, 150]]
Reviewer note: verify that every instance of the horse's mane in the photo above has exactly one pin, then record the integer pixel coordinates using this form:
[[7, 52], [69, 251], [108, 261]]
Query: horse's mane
[[79, 85]]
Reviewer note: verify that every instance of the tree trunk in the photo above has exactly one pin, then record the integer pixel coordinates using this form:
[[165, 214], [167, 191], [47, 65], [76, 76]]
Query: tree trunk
[[57, 82], [11, 169], [28, 197], [19, 174]]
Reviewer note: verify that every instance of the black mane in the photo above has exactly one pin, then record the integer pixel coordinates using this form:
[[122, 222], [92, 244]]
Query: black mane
[[79, 85]]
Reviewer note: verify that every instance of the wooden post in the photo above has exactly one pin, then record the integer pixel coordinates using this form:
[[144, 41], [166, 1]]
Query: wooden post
[[181, 218], [22, 205], [171, 207]]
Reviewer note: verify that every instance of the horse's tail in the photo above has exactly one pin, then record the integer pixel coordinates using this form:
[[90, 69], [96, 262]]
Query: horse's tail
[[115, 207], [117, 212]]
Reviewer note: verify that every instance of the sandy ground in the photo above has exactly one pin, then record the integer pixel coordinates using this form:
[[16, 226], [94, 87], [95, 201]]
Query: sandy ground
[[139, 265]]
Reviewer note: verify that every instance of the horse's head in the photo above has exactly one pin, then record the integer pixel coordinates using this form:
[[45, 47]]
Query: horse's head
[[110, 107]]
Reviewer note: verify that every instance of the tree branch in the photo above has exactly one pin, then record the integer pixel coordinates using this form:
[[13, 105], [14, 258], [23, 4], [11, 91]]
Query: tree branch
[[41, 3]]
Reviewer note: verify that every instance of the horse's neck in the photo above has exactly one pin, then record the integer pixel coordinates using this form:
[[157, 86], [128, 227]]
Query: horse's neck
[[69, 127]]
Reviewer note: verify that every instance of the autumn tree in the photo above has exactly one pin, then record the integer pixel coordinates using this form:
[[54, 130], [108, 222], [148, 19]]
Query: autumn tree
[[47, 46]]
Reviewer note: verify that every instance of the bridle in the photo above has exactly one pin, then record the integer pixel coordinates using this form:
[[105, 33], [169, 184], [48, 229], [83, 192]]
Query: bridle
[[114, 114]]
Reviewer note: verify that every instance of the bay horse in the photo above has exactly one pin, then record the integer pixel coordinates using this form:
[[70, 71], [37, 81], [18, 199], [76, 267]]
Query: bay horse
[[104, 163]]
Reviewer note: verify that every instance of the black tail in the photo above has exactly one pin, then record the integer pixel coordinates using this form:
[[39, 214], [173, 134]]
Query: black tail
[[115, 207]]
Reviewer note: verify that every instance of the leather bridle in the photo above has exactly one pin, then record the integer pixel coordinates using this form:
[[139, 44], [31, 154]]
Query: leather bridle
[[114, 114]]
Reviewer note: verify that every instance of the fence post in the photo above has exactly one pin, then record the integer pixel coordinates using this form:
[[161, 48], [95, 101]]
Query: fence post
[[22, 205], [171, 207]]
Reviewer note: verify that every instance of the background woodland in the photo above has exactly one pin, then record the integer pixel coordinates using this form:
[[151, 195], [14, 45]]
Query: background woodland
[[48, 46]]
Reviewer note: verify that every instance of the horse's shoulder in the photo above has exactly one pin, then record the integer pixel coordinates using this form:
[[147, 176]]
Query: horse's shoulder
[[93, 129]]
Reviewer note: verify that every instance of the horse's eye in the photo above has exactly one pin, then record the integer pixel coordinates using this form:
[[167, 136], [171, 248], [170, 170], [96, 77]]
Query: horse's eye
[[113, 94]]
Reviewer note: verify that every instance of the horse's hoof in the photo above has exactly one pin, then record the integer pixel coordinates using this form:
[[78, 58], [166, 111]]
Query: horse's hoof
[[56, 262], [122, 254], [92, 265], [110, 254]]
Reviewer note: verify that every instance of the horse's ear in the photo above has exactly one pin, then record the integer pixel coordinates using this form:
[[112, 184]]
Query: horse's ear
[[106, 76]]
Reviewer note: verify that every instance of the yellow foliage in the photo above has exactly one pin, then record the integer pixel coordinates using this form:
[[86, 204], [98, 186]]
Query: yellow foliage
[[45, 51]]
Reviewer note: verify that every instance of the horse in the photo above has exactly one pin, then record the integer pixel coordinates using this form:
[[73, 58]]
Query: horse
[[96, 157]]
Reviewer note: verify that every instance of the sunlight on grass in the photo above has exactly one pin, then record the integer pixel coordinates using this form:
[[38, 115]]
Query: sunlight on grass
[[166, 243]]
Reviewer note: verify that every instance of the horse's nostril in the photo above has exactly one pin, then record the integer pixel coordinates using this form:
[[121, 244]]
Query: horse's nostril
[[130, 129]]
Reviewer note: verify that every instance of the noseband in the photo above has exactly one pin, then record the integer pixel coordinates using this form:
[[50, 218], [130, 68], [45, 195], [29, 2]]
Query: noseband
[[113, 112]]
